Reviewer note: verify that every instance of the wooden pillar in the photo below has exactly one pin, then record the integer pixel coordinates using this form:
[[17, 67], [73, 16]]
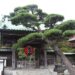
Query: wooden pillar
[[14, 59], [45, 58]]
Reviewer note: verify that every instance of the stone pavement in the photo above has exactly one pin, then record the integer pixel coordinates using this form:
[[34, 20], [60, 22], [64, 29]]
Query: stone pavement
[[41, 71]]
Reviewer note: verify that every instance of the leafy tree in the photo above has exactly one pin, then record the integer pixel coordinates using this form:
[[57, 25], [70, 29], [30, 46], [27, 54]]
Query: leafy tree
[[69, 33], [52, 19], [32, 36], [53, 38], [32, 8], [22, 15], [52, 34], [67, 25], [29, 16]]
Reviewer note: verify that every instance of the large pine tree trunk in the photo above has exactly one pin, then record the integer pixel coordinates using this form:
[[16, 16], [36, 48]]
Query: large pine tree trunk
[[66, 62]]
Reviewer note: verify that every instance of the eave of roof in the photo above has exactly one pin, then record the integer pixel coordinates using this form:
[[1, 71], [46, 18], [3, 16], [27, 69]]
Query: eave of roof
[[15, 30]]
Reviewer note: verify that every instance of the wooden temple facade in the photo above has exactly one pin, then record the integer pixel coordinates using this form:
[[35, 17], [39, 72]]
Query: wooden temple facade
[[9, 37]]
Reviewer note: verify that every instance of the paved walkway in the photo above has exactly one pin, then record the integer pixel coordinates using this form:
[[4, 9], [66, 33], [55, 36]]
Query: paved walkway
[[31, 72], [41, 71]]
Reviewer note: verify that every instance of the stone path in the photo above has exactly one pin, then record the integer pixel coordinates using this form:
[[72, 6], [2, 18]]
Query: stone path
[[34, 72], [47, 71]]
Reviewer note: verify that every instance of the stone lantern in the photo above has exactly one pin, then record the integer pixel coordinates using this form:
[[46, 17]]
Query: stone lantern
[[59, 68]]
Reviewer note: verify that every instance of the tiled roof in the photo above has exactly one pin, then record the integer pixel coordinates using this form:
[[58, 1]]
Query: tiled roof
[[16, 30], [72, 39]]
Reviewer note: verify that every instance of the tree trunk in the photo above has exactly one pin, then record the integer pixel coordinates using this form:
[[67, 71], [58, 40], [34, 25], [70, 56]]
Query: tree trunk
[[66, 62]]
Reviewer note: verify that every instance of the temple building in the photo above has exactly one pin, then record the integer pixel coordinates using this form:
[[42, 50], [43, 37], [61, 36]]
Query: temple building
[[8, 37]]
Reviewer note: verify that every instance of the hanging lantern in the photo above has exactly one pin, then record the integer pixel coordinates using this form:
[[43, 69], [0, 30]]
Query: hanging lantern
[[28, 50]]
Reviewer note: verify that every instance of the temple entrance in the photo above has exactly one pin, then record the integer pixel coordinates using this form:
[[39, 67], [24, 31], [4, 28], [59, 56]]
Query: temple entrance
[[27, 58], [33, 58], [30, 55]]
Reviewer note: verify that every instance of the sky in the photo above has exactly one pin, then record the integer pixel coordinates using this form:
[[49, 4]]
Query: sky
[[63, 7]]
